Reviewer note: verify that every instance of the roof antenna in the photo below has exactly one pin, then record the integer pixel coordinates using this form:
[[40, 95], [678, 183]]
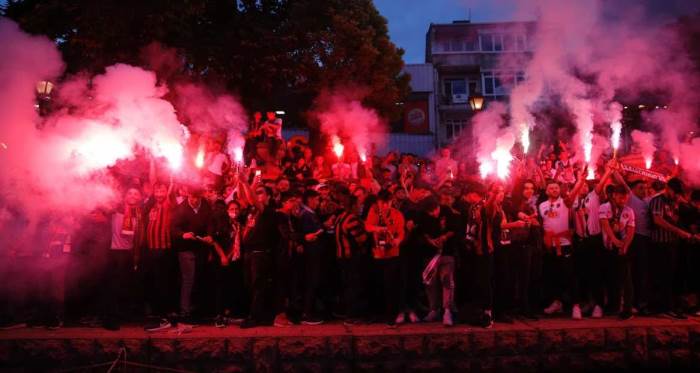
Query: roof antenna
[[470, 15]]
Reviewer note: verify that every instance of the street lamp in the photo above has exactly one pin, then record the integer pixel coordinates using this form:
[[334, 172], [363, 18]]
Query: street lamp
[[44, 88], [476, 101], [43, 91]]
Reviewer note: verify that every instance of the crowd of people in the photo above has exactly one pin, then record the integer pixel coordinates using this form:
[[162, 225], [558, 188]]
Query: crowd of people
[[292, 236]]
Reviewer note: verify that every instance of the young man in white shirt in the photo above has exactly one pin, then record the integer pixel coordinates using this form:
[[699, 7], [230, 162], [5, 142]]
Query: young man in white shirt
[[618, 221], [558, 261]]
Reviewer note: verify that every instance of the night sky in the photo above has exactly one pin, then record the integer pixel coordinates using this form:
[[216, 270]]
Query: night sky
[[409, 19]]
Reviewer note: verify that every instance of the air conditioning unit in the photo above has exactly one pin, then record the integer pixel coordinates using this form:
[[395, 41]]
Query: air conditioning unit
[[460, 98]]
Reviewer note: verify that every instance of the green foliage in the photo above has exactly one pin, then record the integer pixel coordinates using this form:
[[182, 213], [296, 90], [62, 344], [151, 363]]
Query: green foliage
[[273, 53]]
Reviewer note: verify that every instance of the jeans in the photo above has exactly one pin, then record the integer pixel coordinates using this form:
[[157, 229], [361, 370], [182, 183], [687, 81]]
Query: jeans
[[390, 269], [188, 265], [119, 276], [443, 285], [483, 281], [639, 251], [590, 271], [559, 275], [522, 267], [355, 274], [259, 278], [158, 279], [313, 258]]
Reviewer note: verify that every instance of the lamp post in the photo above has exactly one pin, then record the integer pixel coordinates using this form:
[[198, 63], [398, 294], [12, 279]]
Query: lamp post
[[44, 88], [476, 101], [43, 91]]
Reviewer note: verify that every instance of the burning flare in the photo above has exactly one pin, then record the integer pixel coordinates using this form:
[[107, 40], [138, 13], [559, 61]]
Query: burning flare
[[337, 147], [615, 138], [503, 158], [199, 159], [485, 168], [172, 151], [238, 154], [525, 138]]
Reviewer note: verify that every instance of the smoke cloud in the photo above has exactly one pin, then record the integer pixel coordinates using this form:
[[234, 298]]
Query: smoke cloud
[[588, 61], [206, 112], [340, 113]]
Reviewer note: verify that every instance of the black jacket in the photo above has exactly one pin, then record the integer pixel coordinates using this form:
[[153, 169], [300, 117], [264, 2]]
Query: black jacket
[[185, 219]]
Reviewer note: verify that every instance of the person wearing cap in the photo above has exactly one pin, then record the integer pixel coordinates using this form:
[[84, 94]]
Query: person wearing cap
[[667, 236], [618, 221]]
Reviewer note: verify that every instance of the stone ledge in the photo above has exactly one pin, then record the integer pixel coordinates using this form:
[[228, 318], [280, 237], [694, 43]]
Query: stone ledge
[[548, 345]]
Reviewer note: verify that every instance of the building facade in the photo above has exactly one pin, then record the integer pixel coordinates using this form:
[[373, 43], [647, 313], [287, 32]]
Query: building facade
[[487, 59]]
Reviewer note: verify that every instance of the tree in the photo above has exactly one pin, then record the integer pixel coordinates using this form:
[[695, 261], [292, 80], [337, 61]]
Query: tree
[[273, 53]]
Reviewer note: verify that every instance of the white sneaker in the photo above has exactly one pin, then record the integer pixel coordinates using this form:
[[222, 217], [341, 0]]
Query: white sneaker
[[597, 312], [447, 318], [576, 312], [432, 316], [401, 318], [553, 308], [413, 317]]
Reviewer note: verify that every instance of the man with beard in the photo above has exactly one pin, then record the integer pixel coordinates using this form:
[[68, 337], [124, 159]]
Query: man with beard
[[352, 253], [312, 230], [191, 233], [259, 242], [387, 225], [158, 258], [286, 258], [217, 280], [641, 244], [127, 234], [558, 261]]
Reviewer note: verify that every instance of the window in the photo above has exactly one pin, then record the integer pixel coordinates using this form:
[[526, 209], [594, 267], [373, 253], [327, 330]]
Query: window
[[499, 42], [453, 128], [471, 43], [486, 42], [455, 87], [520, 42], [488, 83], [496, 83], [508, 42]]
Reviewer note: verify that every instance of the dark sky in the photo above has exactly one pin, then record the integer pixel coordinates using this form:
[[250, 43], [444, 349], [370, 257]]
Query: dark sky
[[409, 19]]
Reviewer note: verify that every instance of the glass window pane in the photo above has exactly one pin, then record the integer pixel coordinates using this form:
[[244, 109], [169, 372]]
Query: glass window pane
[[487, 42], [498, 86], [497, 42], [508, 42], [459, 87], [488, 86]]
